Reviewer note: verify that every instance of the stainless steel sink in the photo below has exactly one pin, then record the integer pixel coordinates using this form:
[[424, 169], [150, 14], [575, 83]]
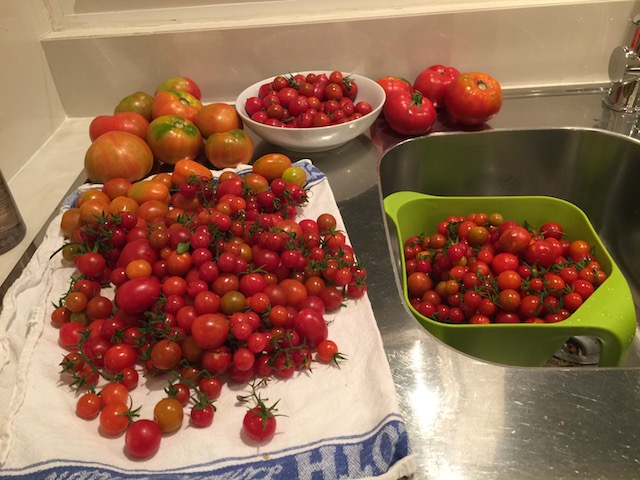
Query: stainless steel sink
[[594, 169]]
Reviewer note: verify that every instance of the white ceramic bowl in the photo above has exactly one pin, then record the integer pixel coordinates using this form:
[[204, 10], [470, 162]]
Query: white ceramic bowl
[[316, 139]]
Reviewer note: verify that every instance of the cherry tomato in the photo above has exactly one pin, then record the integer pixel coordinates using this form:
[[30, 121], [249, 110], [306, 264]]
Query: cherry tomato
[[143, 438], [168, 414], [114, 419], [259, 424]]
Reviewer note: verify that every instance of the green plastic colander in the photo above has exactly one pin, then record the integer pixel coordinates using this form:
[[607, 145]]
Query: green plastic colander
[[608, 314]]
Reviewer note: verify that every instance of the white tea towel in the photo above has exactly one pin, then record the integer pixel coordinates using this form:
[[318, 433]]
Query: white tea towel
[[337, 423]]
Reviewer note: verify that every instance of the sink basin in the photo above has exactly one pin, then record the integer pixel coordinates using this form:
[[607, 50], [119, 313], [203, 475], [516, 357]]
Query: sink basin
[[594, 169]]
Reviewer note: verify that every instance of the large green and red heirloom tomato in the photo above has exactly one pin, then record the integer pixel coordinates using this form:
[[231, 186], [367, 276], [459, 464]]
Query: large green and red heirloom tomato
[[181, 84], [173, 138], [172, 102], [131, 122], [118, 154], [473, 98], [229, 149], [139, 102]]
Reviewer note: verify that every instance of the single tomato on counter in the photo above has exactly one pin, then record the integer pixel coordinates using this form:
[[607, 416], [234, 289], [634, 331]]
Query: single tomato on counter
[[433, 82], [473, 98], [409, 113]]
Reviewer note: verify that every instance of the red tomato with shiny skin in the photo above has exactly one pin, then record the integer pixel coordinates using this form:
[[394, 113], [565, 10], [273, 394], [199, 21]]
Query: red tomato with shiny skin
[[229, 149], [173, 138], [473, 98], [142, 438], [118, 154], [433, 82], [172, 102], [181, 84], [138, 294], [391, 85], [409, 113], [131, 122]]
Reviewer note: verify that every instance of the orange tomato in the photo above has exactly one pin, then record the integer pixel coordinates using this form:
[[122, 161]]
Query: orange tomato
[[184, 168], [116, 187], [70, 221], [139, 268], [271, 165], [123, 204], [152, 209], [92, 209], [92, 193], [146, 190], [217, 118], [229, 149]]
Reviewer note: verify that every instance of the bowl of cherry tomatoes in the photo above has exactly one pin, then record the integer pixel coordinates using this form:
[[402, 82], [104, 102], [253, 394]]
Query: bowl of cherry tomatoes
[[510, 279], [311, 111]]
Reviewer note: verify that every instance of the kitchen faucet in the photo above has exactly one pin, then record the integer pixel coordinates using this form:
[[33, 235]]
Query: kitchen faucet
[[621, 112]]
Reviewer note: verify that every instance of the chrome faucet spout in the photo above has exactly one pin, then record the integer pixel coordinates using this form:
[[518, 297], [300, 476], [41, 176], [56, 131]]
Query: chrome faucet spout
[[622, 102]]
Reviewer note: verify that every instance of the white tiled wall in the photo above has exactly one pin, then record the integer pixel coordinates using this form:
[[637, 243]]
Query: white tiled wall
[[86, 74]]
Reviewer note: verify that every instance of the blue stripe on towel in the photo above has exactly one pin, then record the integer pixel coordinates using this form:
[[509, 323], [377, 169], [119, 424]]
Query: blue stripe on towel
[[367, 455]]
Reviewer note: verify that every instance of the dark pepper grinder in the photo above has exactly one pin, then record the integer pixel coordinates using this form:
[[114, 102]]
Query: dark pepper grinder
[[12, 227]]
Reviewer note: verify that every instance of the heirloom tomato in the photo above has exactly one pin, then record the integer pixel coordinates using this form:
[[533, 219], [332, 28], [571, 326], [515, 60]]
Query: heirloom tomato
[[185, 168], [118, 154], [181, 84], [229, 149], [433, 82], [473, 98], [139, 102], [173, 138], [409, 113], [217, 118], [131, 122], [391, 85], [171, 102]]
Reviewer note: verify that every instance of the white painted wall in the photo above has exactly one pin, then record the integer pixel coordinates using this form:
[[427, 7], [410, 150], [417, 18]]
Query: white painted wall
[[30, 108]]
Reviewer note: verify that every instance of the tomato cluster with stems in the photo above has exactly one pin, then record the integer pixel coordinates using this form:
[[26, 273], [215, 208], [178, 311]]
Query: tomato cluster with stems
[[305, 101], [481, 269], [228, 283]]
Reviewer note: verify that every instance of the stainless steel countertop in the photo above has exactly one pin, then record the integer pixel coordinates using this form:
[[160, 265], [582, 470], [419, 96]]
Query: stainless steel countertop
[[468, 419]]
